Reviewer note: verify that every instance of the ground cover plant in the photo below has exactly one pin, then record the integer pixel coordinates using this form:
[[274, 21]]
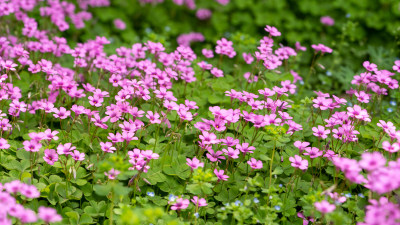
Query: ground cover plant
[[151, 133]]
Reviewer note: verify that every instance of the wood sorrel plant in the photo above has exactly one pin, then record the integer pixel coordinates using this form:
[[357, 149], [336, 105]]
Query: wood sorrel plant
[[164, 134]]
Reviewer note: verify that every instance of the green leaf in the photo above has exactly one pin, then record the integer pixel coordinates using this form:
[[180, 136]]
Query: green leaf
[[178, 168], [155, 175], [200, 188], [73, 217], [171, 186], [102, 190], [85, 219], [227, 195], [277, 171]]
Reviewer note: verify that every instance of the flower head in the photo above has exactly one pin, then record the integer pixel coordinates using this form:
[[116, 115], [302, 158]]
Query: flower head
[[180, 204], [324, 206]]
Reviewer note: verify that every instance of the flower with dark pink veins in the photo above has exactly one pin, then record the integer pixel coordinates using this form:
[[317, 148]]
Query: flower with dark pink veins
[[220, 175], [77, 156], [194, 163], [61, 113], [153, 117], [255, 164], [298, 162], [321, 132], [50, 156]]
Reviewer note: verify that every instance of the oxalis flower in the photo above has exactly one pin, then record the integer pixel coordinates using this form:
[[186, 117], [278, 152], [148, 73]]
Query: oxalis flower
[[180, 204], [324, 207], [194, 163], [298, 162], [220, 175]]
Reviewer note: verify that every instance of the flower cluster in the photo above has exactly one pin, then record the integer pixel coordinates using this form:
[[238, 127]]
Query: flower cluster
[[11, 208]]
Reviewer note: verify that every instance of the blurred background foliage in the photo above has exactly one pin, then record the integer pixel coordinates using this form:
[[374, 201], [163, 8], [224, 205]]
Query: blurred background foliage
[[363, 29]]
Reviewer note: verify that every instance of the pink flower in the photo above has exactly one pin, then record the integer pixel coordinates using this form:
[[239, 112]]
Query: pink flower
[[214, 156], [77, 156], [153, 117], [321, 132], [217, 72], [95, 101], [321, 48], [119, 24], [313, 152], [392, 148], [231, 153], [107, 147], [62, 113], [199, 202], [180, 204], [335, 196], [208, 138], [245, 148], [65, 149], [32, 146], [4, 144], [327, 20], [305, 220], [29, 191], [324, 206], [194, 163], [223, 2], [50, 156], [248, 58], [396, 66], [301, 145], [372, 161], [112, 174], [203, 14], [220, 175], [49, 215], [255, 164], [8, 65], [298, 162], [358, 113], [272, 31], [386, 126], [50, 135], [370, 66], [207, 53], [362, 96]]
